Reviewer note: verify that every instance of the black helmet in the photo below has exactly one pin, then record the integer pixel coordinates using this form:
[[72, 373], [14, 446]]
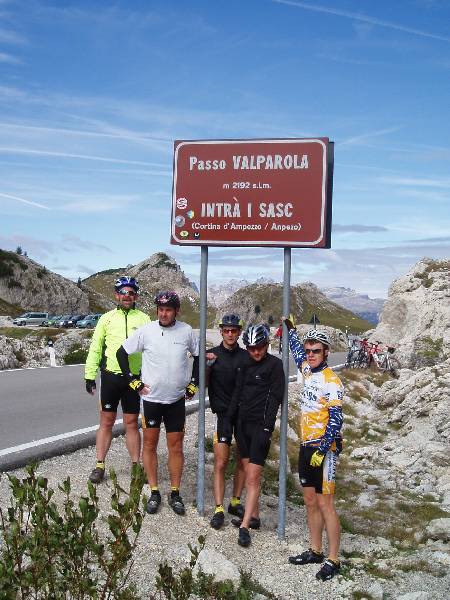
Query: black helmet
[[255, 335], [126, 282], [167, 298], [231, 321]]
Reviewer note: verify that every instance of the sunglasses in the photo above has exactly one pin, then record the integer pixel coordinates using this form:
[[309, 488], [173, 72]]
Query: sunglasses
[[313, 350], [126, 293], [230, 330]]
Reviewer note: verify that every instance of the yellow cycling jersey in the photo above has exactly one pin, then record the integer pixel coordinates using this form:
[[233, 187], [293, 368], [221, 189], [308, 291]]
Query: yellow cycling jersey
[[322, 390]]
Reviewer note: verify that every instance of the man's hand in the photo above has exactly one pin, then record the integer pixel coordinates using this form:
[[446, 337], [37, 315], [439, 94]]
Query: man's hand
[[138, 386], [210, 359], [90, 386], [316, 459], [289, 321], [191, 390]]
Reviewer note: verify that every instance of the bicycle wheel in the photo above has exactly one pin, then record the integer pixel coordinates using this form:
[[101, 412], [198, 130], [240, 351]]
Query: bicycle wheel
[[383, 363], [394, 366]]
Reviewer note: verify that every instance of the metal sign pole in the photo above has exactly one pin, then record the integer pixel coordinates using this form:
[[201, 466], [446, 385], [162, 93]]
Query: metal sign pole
[[284, 406], [202, 386]]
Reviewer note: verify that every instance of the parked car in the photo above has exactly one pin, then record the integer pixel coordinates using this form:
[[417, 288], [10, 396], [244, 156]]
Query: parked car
[[89, 322], [62, 322], [72, 322], [31, 318], [50, 322]]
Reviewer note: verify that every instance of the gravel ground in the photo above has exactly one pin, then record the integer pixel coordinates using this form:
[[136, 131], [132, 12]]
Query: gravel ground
[[166, 535]]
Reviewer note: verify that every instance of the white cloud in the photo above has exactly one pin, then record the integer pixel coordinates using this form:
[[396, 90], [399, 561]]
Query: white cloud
[[364, 19], [9, 59], [23, 201]]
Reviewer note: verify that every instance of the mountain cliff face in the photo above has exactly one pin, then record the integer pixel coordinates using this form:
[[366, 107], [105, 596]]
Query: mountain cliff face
[[29, 286], [360, 304], [416, 316]]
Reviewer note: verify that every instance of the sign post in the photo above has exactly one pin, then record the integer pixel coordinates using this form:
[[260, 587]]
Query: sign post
[[270, 192]]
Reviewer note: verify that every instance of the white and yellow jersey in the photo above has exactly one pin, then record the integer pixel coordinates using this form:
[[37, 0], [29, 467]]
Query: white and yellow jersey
[[321, 400], [322, 391]]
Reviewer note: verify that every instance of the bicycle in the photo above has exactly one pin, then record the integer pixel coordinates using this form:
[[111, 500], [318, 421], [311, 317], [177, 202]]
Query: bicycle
[[389, 363]]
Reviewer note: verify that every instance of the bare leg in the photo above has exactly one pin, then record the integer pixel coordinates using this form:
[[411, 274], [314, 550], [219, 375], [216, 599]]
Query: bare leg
[[332, 525], [314, 517], [252, 483], [239, 476], [132, 436], [150, 455], [176, 457], [104, 434], [221, 457]]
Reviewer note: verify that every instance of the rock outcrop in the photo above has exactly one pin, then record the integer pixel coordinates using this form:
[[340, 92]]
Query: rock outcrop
[[416, 316], [27, 284], [158, 272]]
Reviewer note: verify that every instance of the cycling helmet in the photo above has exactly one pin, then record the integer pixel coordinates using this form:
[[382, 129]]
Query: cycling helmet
[[315, 335], [255, 335], [167, 298], [231, 321], [126, 282]]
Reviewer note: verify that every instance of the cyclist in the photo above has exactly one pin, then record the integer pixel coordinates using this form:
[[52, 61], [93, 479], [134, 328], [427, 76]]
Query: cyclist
[[321, 422], [257, 396], [165, 384], [222, 361], [112, 329]]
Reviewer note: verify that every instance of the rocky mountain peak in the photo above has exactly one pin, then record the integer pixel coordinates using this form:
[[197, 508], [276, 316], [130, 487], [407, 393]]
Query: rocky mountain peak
[[416, 316]]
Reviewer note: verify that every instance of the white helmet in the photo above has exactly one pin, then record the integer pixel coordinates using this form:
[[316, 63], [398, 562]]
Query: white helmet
[[315, 335], [255, 335]]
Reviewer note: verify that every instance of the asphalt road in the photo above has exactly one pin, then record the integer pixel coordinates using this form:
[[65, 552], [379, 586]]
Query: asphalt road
[[46, 412]]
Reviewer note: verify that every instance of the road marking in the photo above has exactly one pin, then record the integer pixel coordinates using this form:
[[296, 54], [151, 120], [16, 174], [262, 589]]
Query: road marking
[[49, 440], [64, 436], [34, 368]]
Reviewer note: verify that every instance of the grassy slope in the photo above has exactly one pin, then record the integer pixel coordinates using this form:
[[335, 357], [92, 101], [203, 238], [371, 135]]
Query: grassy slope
[[303, 305]]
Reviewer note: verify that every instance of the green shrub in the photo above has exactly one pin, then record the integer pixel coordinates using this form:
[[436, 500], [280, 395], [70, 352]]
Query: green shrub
[[58, 553], [76, 356]]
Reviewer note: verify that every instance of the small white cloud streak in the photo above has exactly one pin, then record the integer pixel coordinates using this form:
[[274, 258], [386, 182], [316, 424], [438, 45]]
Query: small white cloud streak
[[417, 182], [12, 150], [119, 133], [357, 139], [24, 201], [9, 59], [364, 19], [7, 36]]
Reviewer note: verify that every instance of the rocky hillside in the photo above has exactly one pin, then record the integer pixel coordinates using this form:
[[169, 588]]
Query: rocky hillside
[[26, 285], [263, 303], [158, 272], [219, 293], [360, 304], [416, 316]]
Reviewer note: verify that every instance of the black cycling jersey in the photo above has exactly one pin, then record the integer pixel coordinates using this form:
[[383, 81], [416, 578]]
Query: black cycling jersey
[[222, 376], [259, 391]]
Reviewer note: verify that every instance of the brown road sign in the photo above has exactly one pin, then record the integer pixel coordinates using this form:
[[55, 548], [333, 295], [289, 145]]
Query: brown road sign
[[252, 192]]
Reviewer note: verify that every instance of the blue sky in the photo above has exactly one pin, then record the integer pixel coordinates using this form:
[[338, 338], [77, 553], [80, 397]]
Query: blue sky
[[92, 95]]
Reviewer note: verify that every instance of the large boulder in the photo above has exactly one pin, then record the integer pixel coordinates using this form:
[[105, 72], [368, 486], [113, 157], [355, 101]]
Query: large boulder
[[416, 315]]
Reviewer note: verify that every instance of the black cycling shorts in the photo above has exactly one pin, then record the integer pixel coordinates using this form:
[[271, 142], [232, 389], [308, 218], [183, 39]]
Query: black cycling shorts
[[114, 389], [249, 443], [219, 437], [322, 478], [173, 415]]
